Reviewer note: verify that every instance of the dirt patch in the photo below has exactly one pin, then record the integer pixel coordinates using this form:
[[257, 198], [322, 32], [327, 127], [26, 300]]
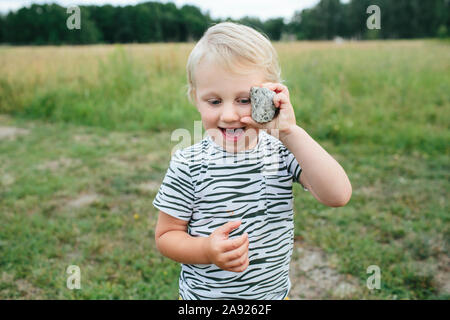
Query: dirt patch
[[91, 140], [442, 275], [24, 287], [6, 277], [117, 163], [83, 200], [135, 160], [27, 290], [7, 179], [10, 133], [123, 138], [150, 186], [61, 163], [313, 276]]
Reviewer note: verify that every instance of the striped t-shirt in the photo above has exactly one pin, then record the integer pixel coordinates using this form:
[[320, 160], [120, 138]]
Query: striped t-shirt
[[208, 187]]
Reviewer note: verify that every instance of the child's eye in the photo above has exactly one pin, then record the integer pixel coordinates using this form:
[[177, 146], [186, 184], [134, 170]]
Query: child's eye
[[214, 102], [244, 100]]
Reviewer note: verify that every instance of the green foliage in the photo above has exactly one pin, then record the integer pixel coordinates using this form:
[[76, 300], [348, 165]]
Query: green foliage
[[164, 22], [399, 19], [145, 22], [442, 32]]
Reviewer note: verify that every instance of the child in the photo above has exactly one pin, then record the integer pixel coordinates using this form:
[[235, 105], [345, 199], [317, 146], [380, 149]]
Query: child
[[226, 204]]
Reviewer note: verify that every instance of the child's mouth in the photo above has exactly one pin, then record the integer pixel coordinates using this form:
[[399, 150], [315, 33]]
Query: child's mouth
[[232, 134]]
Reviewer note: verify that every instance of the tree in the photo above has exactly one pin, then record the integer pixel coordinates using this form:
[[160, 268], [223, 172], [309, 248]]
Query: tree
[[104, 19], [89, 32], [2, 28], [124, 29], [172, 25], [194, 22], [274, 28], [156, 22]]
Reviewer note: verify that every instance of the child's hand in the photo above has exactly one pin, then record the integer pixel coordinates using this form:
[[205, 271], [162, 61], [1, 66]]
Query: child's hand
[[228, 254], [285, 120]]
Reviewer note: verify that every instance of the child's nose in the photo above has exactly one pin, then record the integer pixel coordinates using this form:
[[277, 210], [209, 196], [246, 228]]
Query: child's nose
[[229, 113]]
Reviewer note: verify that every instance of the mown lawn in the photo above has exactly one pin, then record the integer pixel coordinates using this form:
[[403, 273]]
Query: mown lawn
[[76, 187]]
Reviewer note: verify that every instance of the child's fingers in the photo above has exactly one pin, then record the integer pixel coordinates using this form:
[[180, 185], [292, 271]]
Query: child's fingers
[[280, 99], [277, 87], [240, 268], [238, 261], [232, 244], [225, 229], [238, 252], [249, 121]]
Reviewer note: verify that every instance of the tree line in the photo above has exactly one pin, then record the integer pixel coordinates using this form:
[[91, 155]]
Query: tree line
[[165, 22]]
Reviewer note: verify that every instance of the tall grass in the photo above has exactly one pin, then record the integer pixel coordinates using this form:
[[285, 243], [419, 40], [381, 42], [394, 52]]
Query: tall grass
[[113, 87], [390, 93]]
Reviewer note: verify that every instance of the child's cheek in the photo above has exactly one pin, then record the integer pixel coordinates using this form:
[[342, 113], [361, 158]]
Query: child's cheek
[[245, 111], [209, 116], [213, 117]]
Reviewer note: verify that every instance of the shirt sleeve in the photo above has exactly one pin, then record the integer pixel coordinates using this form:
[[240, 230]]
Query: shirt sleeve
[[176, 194], [293, 166]]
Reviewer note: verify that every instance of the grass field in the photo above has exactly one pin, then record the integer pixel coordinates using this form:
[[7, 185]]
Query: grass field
[[85, 140]]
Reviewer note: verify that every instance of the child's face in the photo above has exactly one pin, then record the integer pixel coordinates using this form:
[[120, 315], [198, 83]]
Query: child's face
[[223, 98]]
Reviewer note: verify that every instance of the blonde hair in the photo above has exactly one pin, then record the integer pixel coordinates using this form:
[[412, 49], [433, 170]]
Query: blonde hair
[[234, 46]]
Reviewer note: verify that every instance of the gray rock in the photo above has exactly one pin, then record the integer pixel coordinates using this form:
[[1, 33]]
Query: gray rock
[[263, 108]]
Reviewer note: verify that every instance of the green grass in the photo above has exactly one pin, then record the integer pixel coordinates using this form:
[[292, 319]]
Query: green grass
[[103, 127], [42, 234]]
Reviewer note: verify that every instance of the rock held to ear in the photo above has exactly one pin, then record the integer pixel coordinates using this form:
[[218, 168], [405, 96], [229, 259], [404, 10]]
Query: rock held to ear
[[263, 108]]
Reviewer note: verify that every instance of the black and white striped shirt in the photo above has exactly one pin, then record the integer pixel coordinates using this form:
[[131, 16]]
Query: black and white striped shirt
[[208, 187]]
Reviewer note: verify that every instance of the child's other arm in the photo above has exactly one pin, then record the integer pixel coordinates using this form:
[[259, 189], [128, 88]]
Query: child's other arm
[[321, 173], [173, 241]]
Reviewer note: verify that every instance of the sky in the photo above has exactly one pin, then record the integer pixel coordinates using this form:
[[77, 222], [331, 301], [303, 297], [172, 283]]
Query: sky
[[264, 9]]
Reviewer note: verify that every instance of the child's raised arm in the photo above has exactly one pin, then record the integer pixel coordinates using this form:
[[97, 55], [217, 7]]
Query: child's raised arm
[[173, 241], [321, 174]]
